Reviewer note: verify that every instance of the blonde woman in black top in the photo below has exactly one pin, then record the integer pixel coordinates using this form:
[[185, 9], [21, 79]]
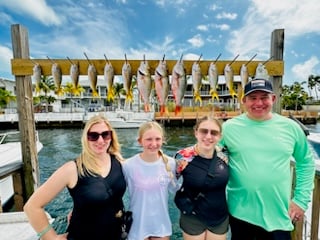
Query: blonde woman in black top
[[96, 184]]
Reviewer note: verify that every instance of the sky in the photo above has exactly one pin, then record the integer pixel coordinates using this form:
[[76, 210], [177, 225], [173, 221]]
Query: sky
[[60, 28]]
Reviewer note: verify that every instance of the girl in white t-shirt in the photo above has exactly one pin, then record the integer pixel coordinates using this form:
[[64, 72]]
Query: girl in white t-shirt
[[150, 175]]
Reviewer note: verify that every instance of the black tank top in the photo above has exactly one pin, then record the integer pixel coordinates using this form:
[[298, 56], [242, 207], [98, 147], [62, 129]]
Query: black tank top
[[212, 207], [95, 206]]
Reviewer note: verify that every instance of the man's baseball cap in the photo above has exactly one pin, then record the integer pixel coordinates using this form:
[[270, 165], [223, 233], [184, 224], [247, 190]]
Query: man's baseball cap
[[258, 84]]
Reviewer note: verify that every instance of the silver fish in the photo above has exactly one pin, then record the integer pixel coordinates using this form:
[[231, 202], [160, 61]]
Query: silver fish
[[109, 77], [244, 76], [213, 80], [37, 72], [178, 84], [144, 84], [127, 81], [74, 75], [161, 82], [92, 76], [228, 74], [261, 72], [57, 77], [196, 82]]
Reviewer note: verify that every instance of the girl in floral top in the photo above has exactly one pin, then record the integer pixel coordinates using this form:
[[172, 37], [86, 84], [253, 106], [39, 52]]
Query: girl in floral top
[[202, 199]]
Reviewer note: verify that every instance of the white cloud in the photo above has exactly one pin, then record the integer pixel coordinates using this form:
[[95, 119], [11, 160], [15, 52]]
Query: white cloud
[[302, 71], [224, 15], [202, 27], [5, 56], [196, 41], [37, 9]]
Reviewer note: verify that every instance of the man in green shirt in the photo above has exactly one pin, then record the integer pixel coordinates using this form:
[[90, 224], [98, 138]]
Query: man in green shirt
[[261, 145]]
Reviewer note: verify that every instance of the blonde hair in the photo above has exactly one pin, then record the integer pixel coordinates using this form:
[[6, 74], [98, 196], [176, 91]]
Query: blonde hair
[[86, 162], [154, 125]]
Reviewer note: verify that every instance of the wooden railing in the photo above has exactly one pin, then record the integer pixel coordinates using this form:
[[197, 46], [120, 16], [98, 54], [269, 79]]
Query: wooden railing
[[299, 233], [302, 230], [15, 170]]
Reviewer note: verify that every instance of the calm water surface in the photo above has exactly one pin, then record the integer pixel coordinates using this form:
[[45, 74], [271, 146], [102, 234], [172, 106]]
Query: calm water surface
[[61, 145]]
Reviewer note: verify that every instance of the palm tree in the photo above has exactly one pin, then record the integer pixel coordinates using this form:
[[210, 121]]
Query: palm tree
[[46, 85], [313, 82], [73, 91], [118, 91], [5, 97]]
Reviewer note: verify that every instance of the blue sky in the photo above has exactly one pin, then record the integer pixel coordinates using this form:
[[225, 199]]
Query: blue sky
[[60, 28]]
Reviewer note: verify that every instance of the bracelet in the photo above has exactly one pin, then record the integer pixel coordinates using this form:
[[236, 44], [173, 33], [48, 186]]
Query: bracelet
[[44, 231]]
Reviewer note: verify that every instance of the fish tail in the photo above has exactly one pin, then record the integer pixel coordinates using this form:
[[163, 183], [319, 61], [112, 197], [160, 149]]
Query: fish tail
[[129, 97], [163, 110], [177, 110], [146, 107], [197, 98], [214, 94], [233, 93], [59, 91], [95, 94]]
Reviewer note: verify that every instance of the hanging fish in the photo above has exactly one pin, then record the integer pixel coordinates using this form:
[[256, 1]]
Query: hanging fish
[[261, 72], [93, 78], [178, 84], [37, 72], [161, 82], [57, 77], [213, 80], [144, 84], [109, 77], [228, 74], [74, 75], [196, 81], [127, 80]]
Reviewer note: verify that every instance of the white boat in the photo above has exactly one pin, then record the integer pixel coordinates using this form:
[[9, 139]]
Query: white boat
[[10, 152], [314, 137]]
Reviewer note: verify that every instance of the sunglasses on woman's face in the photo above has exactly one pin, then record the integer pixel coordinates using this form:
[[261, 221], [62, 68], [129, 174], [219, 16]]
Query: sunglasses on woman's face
[[212, 132], [94, 136]]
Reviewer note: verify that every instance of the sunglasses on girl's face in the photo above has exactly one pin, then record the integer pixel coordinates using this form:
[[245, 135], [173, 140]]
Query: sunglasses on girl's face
[[205, 131], [94, 136]]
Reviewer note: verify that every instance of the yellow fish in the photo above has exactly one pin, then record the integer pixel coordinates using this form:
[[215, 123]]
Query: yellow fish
[[57, 77], [196, 82], [228, 74], [37, 72], [213, 80], [109, 77]]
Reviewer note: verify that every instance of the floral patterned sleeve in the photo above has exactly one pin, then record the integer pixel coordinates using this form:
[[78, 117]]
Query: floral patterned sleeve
[[183, 157]]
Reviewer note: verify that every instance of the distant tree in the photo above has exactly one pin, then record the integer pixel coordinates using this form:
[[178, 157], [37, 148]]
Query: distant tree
[[118, 91], [294, 96], [313, 84], [46, 86], [5, 97]]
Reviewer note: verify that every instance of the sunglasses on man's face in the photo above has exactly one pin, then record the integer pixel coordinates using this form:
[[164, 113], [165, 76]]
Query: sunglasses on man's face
[[212, 132], [94, 136]]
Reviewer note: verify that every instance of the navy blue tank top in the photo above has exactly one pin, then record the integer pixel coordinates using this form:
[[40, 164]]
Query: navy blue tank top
[[96, 201]]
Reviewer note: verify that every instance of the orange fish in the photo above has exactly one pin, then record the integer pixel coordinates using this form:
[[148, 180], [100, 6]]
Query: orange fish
[[144, 84], [161, 82], [178, 84]]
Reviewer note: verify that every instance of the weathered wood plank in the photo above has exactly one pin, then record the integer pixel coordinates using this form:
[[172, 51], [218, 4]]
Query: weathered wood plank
[[23, 67]]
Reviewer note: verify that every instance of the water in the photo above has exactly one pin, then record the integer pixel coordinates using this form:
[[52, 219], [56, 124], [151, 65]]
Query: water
[[62, 145]]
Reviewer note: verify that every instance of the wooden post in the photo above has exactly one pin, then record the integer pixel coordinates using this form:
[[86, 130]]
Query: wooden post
[[277, 45], [315, 208], [20, 47]]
